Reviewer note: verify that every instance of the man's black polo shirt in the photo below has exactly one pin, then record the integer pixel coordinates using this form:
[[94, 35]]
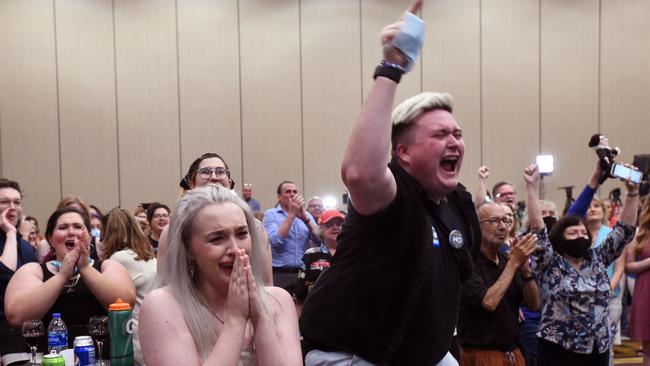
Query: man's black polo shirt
[[480, 328], [392, 293]]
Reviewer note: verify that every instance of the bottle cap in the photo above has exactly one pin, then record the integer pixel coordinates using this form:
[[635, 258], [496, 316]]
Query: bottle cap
[[119, 304], [56, 315]]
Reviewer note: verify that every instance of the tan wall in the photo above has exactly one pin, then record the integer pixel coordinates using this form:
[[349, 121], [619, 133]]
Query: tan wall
[[112, 100]]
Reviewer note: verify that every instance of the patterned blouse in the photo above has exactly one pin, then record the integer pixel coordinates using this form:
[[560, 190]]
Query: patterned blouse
[[574, 303]]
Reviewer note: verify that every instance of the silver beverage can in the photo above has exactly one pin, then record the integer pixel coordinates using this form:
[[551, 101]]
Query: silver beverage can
[[84, 351]]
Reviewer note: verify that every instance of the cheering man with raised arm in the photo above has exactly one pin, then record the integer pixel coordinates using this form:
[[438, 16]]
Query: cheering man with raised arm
[[392, 293]]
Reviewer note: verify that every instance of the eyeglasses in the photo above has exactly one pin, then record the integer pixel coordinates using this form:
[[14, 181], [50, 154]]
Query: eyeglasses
[[207, 172], [315, 206], [494, 221]]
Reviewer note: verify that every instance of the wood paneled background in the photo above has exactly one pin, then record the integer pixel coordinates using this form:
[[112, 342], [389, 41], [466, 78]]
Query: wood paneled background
[[112, 100]]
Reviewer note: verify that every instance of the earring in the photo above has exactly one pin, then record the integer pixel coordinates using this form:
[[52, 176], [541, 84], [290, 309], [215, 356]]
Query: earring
[[192, 269]]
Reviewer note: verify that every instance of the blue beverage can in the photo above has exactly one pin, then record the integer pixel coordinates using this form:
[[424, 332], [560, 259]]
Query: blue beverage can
[[84, 351]]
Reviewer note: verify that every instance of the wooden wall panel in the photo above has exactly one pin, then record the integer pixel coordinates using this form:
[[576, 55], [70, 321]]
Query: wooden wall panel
[[375, 15], [569, 92], [331, 90], [510, 87], [451, 63], [271, 95], [147, 99], [28, 103], [208, 57], [257, 81], [86, 72], [625, 89]]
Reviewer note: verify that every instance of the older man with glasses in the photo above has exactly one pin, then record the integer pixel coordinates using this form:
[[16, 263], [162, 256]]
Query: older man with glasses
[[488, 321]]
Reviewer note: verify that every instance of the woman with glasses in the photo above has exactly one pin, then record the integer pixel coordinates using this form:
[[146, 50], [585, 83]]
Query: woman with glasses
[[318, 259], [158, 219], [125, 243], [214, 308], [574, 327], [210, 168], [72, 284]]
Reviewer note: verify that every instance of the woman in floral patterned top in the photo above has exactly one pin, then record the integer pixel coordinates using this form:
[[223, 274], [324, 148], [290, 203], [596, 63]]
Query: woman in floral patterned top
[[576, 290]]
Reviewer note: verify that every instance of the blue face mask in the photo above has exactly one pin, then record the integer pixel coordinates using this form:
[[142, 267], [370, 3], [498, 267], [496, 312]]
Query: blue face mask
[[96, 233]]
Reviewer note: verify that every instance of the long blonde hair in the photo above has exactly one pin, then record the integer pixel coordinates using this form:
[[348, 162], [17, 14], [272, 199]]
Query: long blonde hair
[[123, 232], [644, 227], [175, 274]]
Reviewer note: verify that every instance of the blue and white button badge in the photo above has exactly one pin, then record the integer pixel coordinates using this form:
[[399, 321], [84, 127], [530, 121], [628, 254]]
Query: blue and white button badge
[[456, 239], [436, 242]]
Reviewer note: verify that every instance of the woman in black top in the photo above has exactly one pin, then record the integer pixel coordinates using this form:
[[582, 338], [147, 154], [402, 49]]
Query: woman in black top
[[72, 284]]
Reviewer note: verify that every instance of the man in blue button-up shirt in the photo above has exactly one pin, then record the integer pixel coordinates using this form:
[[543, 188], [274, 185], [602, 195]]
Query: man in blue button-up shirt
[[289, 227]]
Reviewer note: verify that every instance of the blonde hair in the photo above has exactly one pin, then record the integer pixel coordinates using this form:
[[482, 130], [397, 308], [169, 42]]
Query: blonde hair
[[411, 109], [175, 275], [123, 232], [604, 220]]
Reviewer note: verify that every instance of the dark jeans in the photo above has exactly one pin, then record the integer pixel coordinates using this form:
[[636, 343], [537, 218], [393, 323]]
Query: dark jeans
[[553, 354], [528, 340]]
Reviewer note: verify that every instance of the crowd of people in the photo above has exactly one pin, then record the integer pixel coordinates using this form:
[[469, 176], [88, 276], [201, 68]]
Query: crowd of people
[[415, 271]]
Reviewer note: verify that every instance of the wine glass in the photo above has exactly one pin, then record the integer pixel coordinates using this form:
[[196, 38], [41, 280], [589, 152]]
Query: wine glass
[[98, 329], [33, 330]]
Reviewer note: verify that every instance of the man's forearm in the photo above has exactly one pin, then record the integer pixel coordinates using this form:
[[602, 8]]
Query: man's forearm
[[283, 230], [532, 298], [534, 213], [495, 293]]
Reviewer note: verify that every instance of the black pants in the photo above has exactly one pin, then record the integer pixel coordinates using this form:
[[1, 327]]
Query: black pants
[[11, 340], [553, 354], [285, 278]]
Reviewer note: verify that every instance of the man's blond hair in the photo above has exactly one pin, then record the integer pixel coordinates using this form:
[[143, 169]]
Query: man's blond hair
[[412, 108]]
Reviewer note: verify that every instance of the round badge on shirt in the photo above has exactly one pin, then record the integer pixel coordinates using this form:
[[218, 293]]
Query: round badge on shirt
[[456, 239]]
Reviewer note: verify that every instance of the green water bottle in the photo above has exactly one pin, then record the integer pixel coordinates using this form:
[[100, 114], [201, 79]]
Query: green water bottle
[[121, 332]]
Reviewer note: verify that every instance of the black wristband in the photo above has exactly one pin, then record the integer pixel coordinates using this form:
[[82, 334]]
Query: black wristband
[[388, 72]]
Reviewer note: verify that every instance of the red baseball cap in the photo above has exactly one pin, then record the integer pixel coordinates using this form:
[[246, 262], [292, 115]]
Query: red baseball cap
[[327, 215]]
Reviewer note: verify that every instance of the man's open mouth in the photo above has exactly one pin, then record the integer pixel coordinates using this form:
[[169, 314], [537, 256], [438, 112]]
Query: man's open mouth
[[449, 163]]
